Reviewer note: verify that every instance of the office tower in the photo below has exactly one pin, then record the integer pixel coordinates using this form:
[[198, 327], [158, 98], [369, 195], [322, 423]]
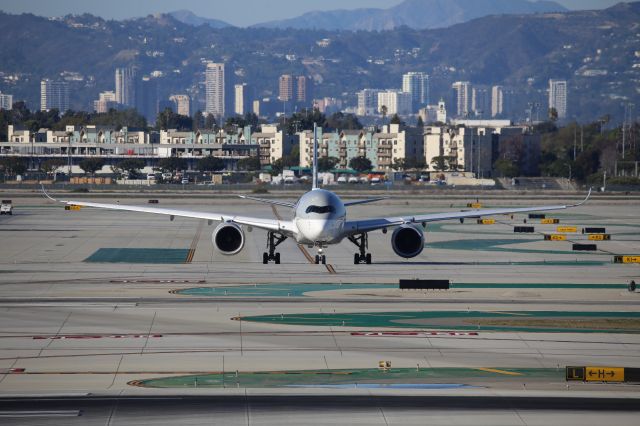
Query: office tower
[[126, 87], [441, 114], [367, 102], [54, 95], [301, 88], [147, 100], [462, 98], [416, 83], [181, 104], [241, 99], [480, 102], [215, 89], [558, 97], [6, 101], [497, 101], [285, 93], [106, 101], [397, 102]]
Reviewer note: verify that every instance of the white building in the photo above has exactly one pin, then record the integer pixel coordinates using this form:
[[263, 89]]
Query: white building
[[181, 103], [274, 143], [215, 89], [466, 149], [462, 97], [497, 101], [126, 86], [397, 102], [241, 104], [6, 101], [367, 102], [441, 115], [416, 83], [54, 95], [105, 101], [480, 101], [558, 97]]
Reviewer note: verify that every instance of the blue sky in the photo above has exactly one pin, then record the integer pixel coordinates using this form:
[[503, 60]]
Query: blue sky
[[236, 12]]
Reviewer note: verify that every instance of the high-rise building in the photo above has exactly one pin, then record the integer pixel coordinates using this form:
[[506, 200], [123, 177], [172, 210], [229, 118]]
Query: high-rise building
[[480, 100], [285, 85], [147, 99], [558, 97], [126, 87], [241, 105], [181, 103], [441, 114], [301, 88], [106, 101], [462, 97], [215, 89], [367, 102], [497, 101], [397, 102], [54, 95], [6, 101], [416, 83]]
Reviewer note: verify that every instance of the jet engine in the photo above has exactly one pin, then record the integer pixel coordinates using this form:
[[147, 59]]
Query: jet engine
[[407, 241], [228, 238]]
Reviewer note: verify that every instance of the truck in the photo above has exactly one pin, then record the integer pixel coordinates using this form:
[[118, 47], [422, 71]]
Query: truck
[[6, 207]]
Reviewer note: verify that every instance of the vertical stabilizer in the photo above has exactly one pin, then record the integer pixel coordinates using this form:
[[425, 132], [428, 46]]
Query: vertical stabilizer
[[315, 156]]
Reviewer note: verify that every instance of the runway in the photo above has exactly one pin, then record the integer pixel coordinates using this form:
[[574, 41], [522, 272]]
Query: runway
[[72, 325]]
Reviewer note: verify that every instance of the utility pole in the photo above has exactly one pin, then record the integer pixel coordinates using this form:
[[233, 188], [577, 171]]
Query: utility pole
[[575, 135]]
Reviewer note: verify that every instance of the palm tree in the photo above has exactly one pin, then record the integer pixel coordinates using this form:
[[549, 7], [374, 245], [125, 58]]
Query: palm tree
[[383, 111]]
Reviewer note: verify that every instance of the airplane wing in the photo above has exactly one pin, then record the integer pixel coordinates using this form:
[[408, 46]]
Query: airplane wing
[[285, 227], [368, 225], [368, 200], [264, 200]]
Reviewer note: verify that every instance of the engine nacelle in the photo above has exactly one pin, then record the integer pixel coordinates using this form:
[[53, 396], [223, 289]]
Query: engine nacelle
[[228, 238], [407, 241]]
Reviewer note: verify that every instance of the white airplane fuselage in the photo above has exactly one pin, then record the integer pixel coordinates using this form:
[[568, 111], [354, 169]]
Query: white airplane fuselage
[[319, 217]]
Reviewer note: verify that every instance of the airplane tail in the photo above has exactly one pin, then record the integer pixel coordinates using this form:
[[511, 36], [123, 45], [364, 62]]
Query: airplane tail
[[315, 157]]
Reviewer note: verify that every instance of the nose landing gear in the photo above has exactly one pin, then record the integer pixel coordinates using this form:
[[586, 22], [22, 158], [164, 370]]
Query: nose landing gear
[[273, 241], [362, 242], [320, 257]]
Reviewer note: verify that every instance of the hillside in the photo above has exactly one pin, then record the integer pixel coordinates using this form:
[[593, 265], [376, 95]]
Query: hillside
[[597, 51], [417, 14]]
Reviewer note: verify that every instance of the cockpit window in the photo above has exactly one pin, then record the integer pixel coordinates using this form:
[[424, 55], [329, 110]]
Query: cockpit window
[[320, 209]]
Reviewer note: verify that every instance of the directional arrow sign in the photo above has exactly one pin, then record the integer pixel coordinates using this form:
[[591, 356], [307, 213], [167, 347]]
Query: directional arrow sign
[[604, 374]]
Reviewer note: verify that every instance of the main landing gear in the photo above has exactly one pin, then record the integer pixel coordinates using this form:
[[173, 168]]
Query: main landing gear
[[362, 242], [273, 241]]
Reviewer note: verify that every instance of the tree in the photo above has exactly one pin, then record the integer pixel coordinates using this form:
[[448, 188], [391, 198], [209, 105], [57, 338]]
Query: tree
[[250, 164], [395, 119], [50, 166], [210, 122], [327, 163], [420, 123], [168, 119], [383, 111], [441, 163], [13, 166], [506, 168], [399, 164], [91, 165], [341, 121], [172, 164], [130, 165], [553, 114], [210, 164], [198, 121], [360, 164]]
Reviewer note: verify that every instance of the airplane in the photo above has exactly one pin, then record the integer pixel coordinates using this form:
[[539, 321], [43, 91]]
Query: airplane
[[319, 219]]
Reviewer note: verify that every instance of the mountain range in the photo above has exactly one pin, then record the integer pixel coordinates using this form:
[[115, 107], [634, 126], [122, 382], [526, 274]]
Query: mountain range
[[595, 51], [417, 14]]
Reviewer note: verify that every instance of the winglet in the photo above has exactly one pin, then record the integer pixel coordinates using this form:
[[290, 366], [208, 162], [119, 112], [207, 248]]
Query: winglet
[[315, 156], [44, 191], [583, 201]]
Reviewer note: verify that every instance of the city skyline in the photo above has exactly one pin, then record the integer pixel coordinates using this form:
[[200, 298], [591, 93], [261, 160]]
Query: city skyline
[[254, 11]]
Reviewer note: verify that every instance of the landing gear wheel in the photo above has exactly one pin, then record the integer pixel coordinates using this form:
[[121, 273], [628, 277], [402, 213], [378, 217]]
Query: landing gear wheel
[[324, 259], [273, 241], [317, 260], [265, 258], [368, 258], [277, 258], [356, 259]]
